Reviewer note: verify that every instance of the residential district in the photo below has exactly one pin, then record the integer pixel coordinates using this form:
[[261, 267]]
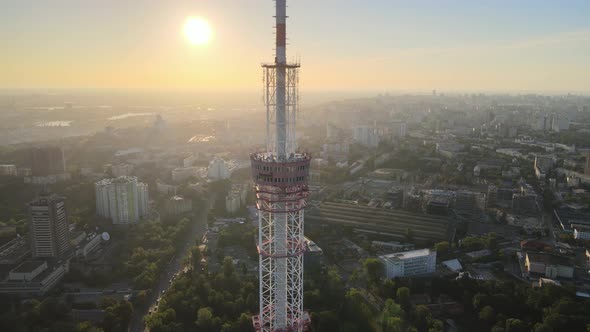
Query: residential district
[[426, 213]]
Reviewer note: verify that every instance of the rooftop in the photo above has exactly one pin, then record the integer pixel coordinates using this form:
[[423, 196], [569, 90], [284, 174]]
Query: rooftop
[[580, 227], [120, 179], [407, 254], [548, 259], [14, 250], [27, 266]]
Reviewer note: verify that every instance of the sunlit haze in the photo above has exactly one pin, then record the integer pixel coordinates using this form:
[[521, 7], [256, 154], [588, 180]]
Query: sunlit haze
[[294, 165], [345, 45]]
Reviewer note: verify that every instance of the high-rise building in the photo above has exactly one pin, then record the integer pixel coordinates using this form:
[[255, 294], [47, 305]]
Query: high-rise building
[[587, 166], [48, 226], [397, 130], [217, 170], [124, 200], [365, 135], [48, 161]]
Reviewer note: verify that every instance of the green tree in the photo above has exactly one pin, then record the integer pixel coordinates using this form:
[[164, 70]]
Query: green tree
[[437, 326], [228, 267], [118, 316], [491, 241], [392, 309], [423, 317], [394, 324], [515, 325], [403, 298], [487, 314], [163, 321], [540, 327], [374, 269], [87, 327], [442, 247], [205, 320]]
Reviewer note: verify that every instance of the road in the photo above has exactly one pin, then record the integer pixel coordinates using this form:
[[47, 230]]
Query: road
[[199, 226]]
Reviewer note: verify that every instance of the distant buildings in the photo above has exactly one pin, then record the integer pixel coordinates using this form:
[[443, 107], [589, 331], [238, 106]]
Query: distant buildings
[[33, 278], [124, 200], [121, 170], [397, 130], [499, 197], [182, 174], [314, 255], [436, 202], [409, 263], [525, 201], [335, 149], [236, 198], [48, 226], [587, 166], [548, 265], [232, 204], [177, 205], [14, 251], [469, 202], [48, 161], [8, 170], [85, 244], [543, 164], [450, 150], [189, 161], [365, 135], [217, 170], [581, 231], [166, 189], [48, 165]]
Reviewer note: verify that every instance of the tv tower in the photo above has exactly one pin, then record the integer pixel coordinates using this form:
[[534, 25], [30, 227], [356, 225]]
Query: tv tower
[[280, 176]]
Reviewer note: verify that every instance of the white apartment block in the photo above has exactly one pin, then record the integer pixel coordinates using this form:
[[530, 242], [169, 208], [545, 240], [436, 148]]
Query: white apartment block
[[124, 200], [217, 170], [365, 135]]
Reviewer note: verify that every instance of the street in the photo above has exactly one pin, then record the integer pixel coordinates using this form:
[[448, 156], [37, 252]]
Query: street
[[198, 229]]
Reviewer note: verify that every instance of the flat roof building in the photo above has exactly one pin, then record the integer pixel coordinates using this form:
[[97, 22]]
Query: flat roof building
[[409, 263], [550, 266], [581, 232], [33, 278]]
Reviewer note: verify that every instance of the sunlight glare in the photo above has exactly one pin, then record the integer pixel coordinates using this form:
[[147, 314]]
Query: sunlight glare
[[197, 31]]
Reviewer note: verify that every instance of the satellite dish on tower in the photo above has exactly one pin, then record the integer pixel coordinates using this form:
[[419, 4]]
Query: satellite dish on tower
[[105, 236]]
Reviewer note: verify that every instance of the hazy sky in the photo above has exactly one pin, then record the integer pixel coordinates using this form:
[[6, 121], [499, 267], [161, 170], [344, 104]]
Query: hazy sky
[[346, 44]]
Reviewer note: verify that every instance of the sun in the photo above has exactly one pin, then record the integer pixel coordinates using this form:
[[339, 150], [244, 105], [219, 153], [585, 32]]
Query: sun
[[197, 31]]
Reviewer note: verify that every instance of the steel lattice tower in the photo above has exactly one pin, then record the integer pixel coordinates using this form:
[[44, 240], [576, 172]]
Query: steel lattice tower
[[280, 175]]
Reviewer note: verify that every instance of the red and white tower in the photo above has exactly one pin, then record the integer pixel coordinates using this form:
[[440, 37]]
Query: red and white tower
[[280, 175]]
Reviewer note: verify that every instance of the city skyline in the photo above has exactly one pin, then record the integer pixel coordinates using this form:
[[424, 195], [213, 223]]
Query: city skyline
[[449, 45]]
